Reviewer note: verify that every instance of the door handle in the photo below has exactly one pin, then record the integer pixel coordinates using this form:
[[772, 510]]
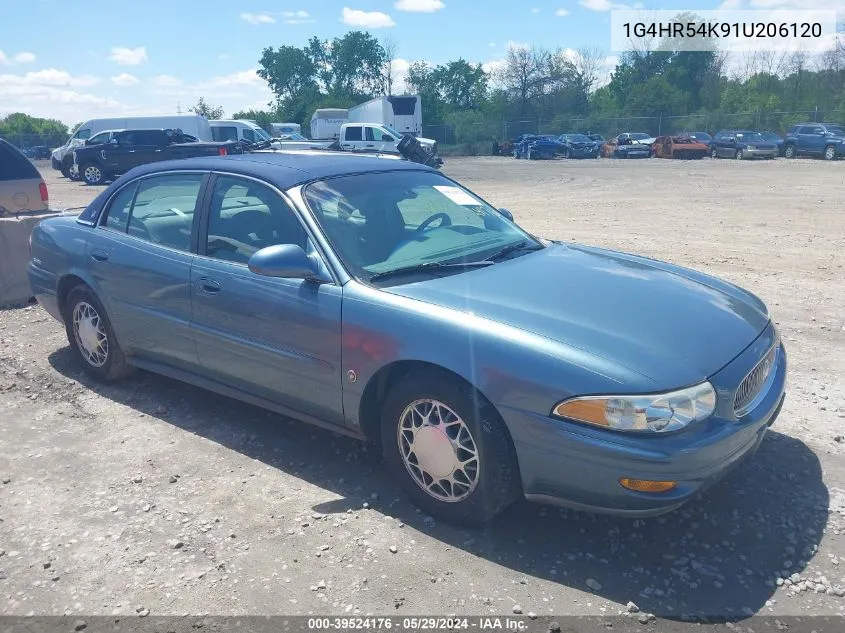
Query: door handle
[[99, 255], [208, 286]]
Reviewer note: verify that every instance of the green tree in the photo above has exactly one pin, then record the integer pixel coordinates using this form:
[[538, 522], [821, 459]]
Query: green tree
[[290, 72], [461, 85], [349, 65], [205, 109]]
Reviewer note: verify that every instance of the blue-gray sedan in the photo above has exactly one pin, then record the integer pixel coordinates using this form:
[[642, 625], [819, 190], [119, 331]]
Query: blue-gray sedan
[[381, 299]]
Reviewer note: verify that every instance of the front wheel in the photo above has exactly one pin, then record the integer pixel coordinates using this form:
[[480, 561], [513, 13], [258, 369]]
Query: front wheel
[[91, 336], [92, 174], [829, 152], [714, 153], [451, 451], [790, 151], [738, 154]]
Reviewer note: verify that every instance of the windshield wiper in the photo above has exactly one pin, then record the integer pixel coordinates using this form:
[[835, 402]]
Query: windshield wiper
[[511, 248], [407, 270]]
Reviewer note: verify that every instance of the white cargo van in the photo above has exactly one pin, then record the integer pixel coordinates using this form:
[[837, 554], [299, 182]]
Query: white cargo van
[[237, 130], [192, 124]]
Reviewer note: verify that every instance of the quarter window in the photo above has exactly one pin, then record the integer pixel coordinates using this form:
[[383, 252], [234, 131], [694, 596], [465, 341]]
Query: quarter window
[[118, 213], [245, 217]]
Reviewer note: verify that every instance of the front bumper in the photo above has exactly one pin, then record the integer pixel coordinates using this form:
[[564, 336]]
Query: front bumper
[[759, 153], [581, 152], [578, 466], [637, 153]]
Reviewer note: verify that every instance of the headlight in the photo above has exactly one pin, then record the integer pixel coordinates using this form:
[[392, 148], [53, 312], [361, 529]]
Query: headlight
[[655, 412]]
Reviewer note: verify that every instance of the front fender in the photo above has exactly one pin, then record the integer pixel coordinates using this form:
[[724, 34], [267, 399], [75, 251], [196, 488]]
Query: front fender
[[510, 367]]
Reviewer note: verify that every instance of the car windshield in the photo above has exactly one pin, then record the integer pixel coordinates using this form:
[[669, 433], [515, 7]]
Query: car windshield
[[637, 136], [701, 136], [750, 136], [395, 133], [383, 221], [261, 134], [835, 129], [770, 136], [579, 138]]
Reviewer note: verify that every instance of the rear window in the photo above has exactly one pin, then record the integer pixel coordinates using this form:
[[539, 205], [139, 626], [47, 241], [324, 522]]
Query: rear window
[[14, 165]]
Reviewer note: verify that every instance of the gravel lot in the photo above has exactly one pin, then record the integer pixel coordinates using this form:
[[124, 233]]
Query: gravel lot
[[150, 496]]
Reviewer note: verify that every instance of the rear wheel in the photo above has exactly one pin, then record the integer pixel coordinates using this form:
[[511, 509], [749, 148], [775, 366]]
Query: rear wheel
[[92, 174], [91, 336], [714, 153], [450, 449]]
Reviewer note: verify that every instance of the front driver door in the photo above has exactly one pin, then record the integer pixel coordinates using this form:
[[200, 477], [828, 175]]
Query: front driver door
[[278, 339]]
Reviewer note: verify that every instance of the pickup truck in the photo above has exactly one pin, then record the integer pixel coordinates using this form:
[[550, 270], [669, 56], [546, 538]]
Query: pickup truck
[[815, 139], [375, 138], [97, 164]]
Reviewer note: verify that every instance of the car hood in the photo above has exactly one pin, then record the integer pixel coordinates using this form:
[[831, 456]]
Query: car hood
[[673, 325]]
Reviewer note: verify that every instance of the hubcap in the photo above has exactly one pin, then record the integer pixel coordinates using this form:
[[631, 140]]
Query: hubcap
[[438, 450], [93, 174], [90, 334]]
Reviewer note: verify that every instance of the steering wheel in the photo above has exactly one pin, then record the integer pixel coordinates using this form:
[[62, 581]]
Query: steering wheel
[[445, 220]]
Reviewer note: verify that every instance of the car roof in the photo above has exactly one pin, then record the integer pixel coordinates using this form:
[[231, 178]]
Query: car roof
[[284, 168]]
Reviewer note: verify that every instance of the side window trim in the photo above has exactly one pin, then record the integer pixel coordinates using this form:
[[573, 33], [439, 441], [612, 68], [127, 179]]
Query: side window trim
[[104, 216]]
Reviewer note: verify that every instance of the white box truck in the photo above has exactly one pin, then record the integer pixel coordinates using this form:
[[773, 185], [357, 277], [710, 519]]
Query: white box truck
[[283, 129], [326, 122], [402, 113], [192, 124]]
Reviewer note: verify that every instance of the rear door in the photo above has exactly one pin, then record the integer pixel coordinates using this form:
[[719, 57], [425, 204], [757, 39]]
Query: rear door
[[21, 186], [278, 339], [353, 137], [140, 256]]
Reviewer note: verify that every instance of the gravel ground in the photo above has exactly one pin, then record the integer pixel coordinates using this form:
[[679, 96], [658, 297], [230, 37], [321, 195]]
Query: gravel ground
[[153, 497]]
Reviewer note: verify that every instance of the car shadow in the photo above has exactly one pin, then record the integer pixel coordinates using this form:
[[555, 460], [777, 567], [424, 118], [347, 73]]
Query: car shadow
[[717, 558]]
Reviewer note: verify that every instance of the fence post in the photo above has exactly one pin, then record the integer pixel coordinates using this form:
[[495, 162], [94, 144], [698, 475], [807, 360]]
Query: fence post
[[659, 123]]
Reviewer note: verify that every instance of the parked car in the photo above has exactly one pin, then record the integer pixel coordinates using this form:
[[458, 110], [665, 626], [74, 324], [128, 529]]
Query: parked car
[[773, 137], [38, 152], [578, 146], [815, 139], [97, 164], [21, 187], [534, 147], [554, 140], [701, 137], [321, 286], [742, 144], [683, 147], [628, 145]]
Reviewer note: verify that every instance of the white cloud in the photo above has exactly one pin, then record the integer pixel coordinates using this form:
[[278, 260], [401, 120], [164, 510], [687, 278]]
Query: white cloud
[[535, 10], [166, 80], [297, 17], [366, 19], [257, 18], [561, 13], [420, 6], [400, 75], [48, 77], [125, 79], [18, 58], [493, 66], [129, 56], [607, 5]]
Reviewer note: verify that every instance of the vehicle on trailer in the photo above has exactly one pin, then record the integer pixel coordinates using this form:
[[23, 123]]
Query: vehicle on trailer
[[682, 147], [383, 300], [742, 145], [533, 147], [826, 140], [578, 146], [98, 164], [627, 145]]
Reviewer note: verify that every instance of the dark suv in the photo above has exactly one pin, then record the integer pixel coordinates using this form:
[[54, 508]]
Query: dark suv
[[815, 139]]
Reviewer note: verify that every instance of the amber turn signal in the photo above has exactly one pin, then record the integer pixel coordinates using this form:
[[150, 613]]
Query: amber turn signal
[[644, 485]]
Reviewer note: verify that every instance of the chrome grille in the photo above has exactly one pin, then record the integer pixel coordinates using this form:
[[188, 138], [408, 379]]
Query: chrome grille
[[753, 383]]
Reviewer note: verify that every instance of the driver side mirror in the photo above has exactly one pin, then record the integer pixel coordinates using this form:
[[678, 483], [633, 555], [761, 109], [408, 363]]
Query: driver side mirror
[[506, 213], [113, 141], [284, 260]]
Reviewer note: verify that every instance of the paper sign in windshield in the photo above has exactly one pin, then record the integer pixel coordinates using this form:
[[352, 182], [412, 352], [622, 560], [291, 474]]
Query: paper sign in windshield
[[458, 196]]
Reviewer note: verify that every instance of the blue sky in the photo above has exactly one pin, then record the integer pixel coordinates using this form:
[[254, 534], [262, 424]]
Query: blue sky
[[100, 58]]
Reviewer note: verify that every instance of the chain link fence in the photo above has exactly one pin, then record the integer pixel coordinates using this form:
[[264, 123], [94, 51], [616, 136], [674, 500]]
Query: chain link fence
[[28, 142], [475, 134]]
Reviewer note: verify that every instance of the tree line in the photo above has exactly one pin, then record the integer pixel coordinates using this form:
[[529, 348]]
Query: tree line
[[559, 87]]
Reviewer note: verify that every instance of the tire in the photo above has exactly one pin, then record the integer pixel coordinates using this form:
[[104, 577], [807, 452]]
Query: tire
[[790, 151], [105, 362], [829, 152], [528, 154], [92, 174], [714, 153], [738, 154], [66, 172], [73, 172], [480, 493]]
